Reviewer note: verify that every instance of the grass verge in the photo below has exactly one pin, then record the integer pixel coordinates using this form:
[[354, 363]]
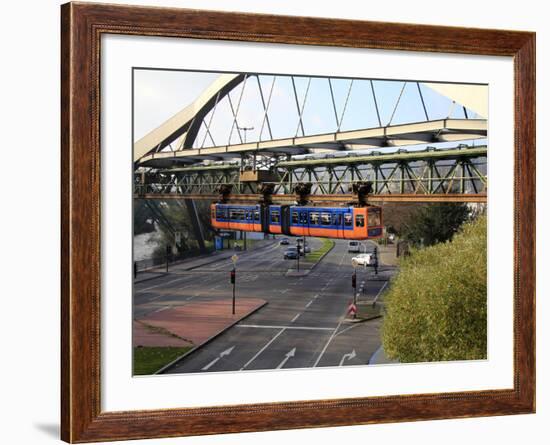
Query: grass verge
[[148, 360], [318, 253]]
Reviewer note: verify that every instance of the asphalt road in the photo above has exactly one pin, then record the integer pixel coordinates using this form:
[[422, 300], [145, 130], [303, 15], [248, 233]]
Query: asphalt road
[[303, 325]]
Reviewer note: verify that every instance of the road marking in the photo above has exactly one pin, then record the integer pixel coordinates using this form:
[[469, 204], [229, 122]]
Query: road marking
[[307, 328], [345, 357], [379, 292], [222, 354], [162, 309], [287, 356], [284, 291], [328, 343], [347, 329], [160, 284], [311, 301], [263, 349], [295, 317]]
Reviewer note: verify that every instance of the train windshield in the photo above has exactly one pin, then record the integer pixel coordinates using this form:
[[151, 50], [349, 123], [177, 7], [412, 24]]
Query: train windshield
[[374, 216]]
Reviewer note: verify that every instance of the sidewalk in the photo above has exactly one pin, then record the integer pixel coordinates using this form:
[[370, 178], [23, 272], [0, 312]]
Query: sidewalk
[[387, 254], [192, 323]]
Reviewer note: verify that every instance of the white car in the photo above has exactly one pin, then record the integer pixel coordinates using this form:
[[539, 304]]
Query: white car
[[364, 259], [354, 247]]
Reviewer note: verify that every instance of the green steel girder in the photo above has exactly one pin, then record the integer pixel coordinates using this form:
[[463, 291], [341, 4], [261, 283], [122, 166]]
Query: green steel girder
[[461, 170]]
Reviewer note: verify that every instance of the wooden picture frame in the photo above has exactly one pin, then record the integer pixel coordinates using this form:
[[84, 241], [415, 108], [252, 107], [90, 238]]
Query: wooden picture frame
[[82, 26]]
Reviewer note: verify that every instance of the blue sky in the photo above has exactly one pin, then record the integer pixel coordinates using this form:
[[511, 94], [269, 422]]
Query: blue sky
[[159, 94]]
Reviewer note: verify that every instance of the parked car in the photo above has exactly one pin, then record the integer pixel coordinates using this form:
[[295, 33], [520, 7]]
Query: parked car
[[354, 247], [284, 242], [291, 253]]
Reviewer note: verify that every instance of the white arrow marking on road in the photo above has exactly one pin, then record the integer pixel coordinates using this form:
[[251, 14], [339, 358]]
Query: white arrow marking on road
[[347, 357], [287, 356], [222, 354]]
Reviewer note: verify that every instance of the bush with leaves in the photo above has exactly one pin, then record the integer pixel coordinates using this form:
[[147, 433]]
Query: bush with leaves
[[436, 308]]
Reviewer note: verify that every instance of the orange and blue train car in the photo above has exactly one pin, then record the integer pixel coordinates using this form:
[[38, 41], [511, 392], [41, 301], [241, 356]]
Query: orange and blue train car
[[353, 223]]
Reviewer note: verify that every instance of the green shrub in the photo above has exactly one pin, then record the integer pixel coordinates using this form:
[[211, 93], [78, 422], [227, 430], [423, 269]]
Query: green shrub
[[436, 308]]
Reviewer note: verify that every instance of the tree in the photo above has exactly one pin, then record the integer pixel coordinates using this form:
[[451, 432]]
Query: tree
[[435, 223], [436, 308]]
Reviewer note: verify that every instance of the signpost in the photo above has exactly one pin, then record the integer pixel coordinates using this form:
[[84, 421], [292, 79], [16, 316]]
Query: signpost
[[234, 259]]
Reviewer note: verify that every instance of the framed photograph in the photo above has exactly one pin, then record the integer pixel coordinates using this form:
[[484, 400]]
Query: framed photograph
[[275, 222]]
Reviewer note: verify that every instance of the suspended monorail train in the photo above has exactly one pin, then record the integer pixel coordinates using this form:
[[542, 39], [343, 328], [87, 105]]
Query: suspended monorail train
[[354, 223]]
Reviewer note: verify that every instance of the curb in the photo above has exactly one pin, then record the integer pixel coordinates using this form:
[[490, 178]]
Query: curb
[[362, 320], [161, 274], [324, 255], [314, 265], [208, 340]]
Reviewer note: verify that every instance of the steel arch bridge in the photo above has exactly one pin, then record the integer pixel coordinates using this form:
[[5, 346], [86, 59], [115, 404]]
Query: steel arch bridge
[[368, 137]]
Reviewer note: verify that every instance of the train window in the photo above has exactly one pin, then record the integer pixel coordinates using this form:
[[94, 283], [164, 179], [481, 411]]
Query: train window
[[337, 219], [325, 219], [314, 218], [359, 221], [248, 215], [348, 219], [256, 215], [303, 217], [294, 217], [373, 215], [219, 213], [233, 214], [275, 216]]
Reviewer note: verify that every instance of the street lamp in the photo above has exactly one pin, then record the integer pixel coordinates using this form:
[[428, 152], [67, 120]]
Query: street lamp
[[234, 259], [245, 129]]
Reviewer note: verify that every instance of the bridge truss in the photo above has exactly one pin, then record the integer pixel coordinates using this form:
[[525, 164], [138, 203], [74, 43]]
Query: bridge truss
[[184, 159]]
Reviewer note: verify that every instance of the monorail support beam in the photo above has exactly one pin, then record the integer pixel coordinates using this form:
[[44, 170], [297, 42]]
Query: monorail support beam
[[341, 199], [195, 222]]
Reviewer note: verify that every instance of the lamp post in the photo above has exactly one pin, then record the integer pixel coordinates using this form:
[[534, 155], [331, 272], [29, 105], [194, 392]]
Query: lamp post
[[245, 129], [234, 259]]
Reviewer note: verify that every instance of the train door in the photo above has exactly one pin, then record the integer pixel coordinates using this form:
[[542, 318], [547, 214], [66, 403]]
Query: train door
[[285, 220], [264, 217], [338, 224], [347, 228], [360, 223], [304, 221]]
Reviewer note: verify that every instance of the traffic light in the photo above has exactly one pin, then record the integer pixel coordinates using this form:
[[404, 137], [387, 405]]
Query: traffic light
[[233, 276], [354, 280]]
